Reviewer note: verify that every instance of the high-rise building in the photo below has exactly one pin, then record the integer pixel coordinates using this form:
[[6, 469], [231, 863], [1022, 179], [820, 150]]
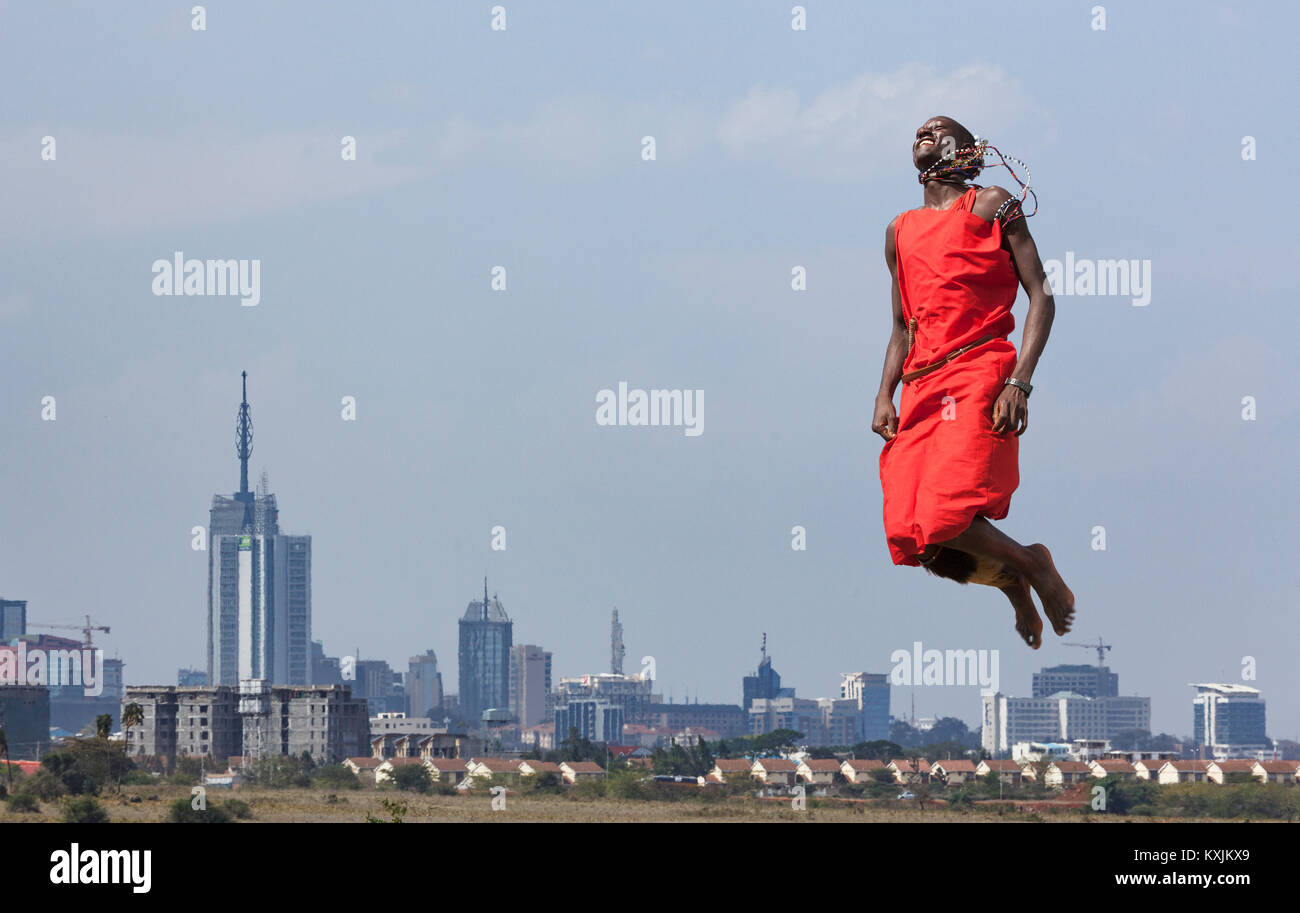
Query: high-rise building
[[633, 693], [530, 683], [13, 619], [191, 678], [254, 720], [25, 719], [764, 684], [424, 686], [597, 721], [616, 649], [326, 670], [486, 634], [1061, 717], [726, 720], [380, 685], [259, 583], [1228, 720], [869, 692], [1090, 681]]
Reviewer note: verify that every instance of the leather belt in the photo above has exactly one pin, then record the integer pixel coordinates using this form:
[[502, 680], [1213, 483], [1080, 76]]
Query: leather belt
[[936, 365]]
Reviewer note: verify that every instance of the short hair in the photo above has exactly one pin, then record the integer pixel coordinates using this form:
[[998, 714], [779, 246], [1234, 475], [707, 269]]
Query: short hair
[[964, 137]]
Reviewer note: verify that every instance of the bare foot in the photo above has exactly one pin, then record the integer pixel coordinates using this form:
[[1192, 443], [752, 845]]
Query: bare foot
[[1028, 624], [1058, 601]]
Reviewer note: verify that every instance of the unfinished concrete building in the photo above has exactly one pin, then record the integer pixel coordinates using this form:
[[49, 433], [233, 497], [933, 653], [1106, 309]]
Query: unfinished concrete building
[[255, 719]]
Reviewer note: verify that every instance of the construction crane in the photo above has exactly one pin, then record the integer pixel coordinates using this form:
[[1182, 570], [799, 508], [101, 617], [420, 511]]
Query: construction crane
[[85, 629], [1100, 647]]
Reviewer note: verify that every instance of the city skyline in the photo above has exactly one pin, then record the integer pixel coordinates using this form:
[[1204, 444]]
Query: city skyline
[[435, 319]]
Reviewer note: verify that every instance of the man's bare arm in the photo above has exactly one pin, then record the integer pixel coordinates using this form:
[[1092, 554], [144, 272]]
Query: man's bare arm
[[896, 350], [1011, 408], [885, 419]]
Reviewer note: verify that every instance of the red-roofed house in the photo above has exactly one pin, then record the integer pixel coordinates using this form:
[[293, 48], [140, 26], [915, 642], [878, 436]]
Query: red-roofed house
[[539, 768], [447, 770], [859, 770], [951, 772], [1008, 771], [1060, 774], [905, 771], [1113, 767], [1183, 772], [725, 769], [485, 768], [363, 768], [1278, 771], [573, 771], [818, 771], [775, 771], [1218, 771], [1147, 769]]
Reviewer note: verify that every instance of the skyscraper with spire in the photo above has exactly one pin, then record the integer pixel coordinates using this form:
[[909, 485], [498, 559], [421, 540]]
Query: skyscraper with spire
[[486, 635], [259, 582]]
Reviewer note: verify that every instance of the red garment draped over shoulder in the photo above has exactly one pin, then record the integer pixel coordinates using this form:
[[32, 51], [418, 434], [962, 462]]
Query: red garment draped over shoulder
[[946, 465]]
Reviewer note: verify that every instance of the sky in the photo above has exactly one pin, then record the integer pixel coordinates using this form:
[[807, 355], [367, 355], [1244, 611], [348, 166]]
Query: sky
[[522, 148]]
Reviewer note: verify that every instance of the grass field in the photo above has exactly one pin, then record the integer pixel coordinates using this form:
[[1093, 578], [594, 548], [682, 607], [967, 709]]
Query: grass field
[[152, 804]]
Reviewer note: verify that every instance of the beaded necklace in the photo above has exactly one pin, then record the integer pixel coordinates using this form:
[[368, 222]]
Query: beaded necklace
[[967, 162]]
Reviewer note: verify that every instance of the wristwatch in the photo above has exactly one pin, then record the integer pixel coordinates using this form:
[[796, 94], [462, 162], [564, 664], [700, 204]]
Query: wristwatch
[[1011, 381]]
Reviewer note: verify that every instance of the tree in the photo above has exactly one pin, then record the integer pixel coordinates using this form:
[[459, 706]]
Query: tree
[[704, 759], [879, 750], [782, 740], [103, 725], [132, 715], [412, 777]]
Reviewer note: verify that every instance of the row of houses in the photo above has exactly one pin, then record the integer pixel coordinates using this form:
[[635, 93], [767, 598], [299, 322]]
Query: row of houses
[[1056, 774], [459, 771]]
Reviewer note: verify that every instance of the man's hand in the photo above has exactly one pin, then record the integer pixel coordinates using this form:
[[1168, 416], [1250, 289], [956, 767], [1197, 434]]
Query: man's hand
[[1011, 411], [885, 421]]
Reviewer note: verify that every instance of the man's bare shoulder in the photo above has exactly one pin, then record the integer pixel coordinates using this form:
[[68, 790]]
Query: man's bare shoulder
[[988, 199]]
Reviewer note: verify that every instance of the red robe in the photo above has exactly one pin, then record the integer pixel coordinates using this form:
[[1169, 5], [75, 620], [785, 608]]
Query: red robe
[[946, 466]]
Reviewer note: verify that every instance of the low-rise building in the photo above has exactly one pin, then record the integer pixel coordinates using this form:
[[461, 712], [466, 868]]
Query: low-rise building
[[774, 771], [1061, 774], [1007, 771], [860, 770], [1183, 772], [1278, 771], [953, 772], [1218, 771], [539, 768], [577, 771], [363, 768], [907, 772], [725, 769], [817, 771], [1113, 767], [489, 768], [447, 770], [1148, 769]]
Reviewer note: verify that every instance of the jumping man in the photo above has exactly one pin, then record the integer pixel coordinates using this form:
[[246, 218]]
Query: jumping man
[[949, 464]]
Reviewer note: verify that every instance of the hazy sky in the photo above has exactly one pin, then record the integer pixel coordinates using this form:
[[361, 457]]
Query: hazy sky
[[522, 148]]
